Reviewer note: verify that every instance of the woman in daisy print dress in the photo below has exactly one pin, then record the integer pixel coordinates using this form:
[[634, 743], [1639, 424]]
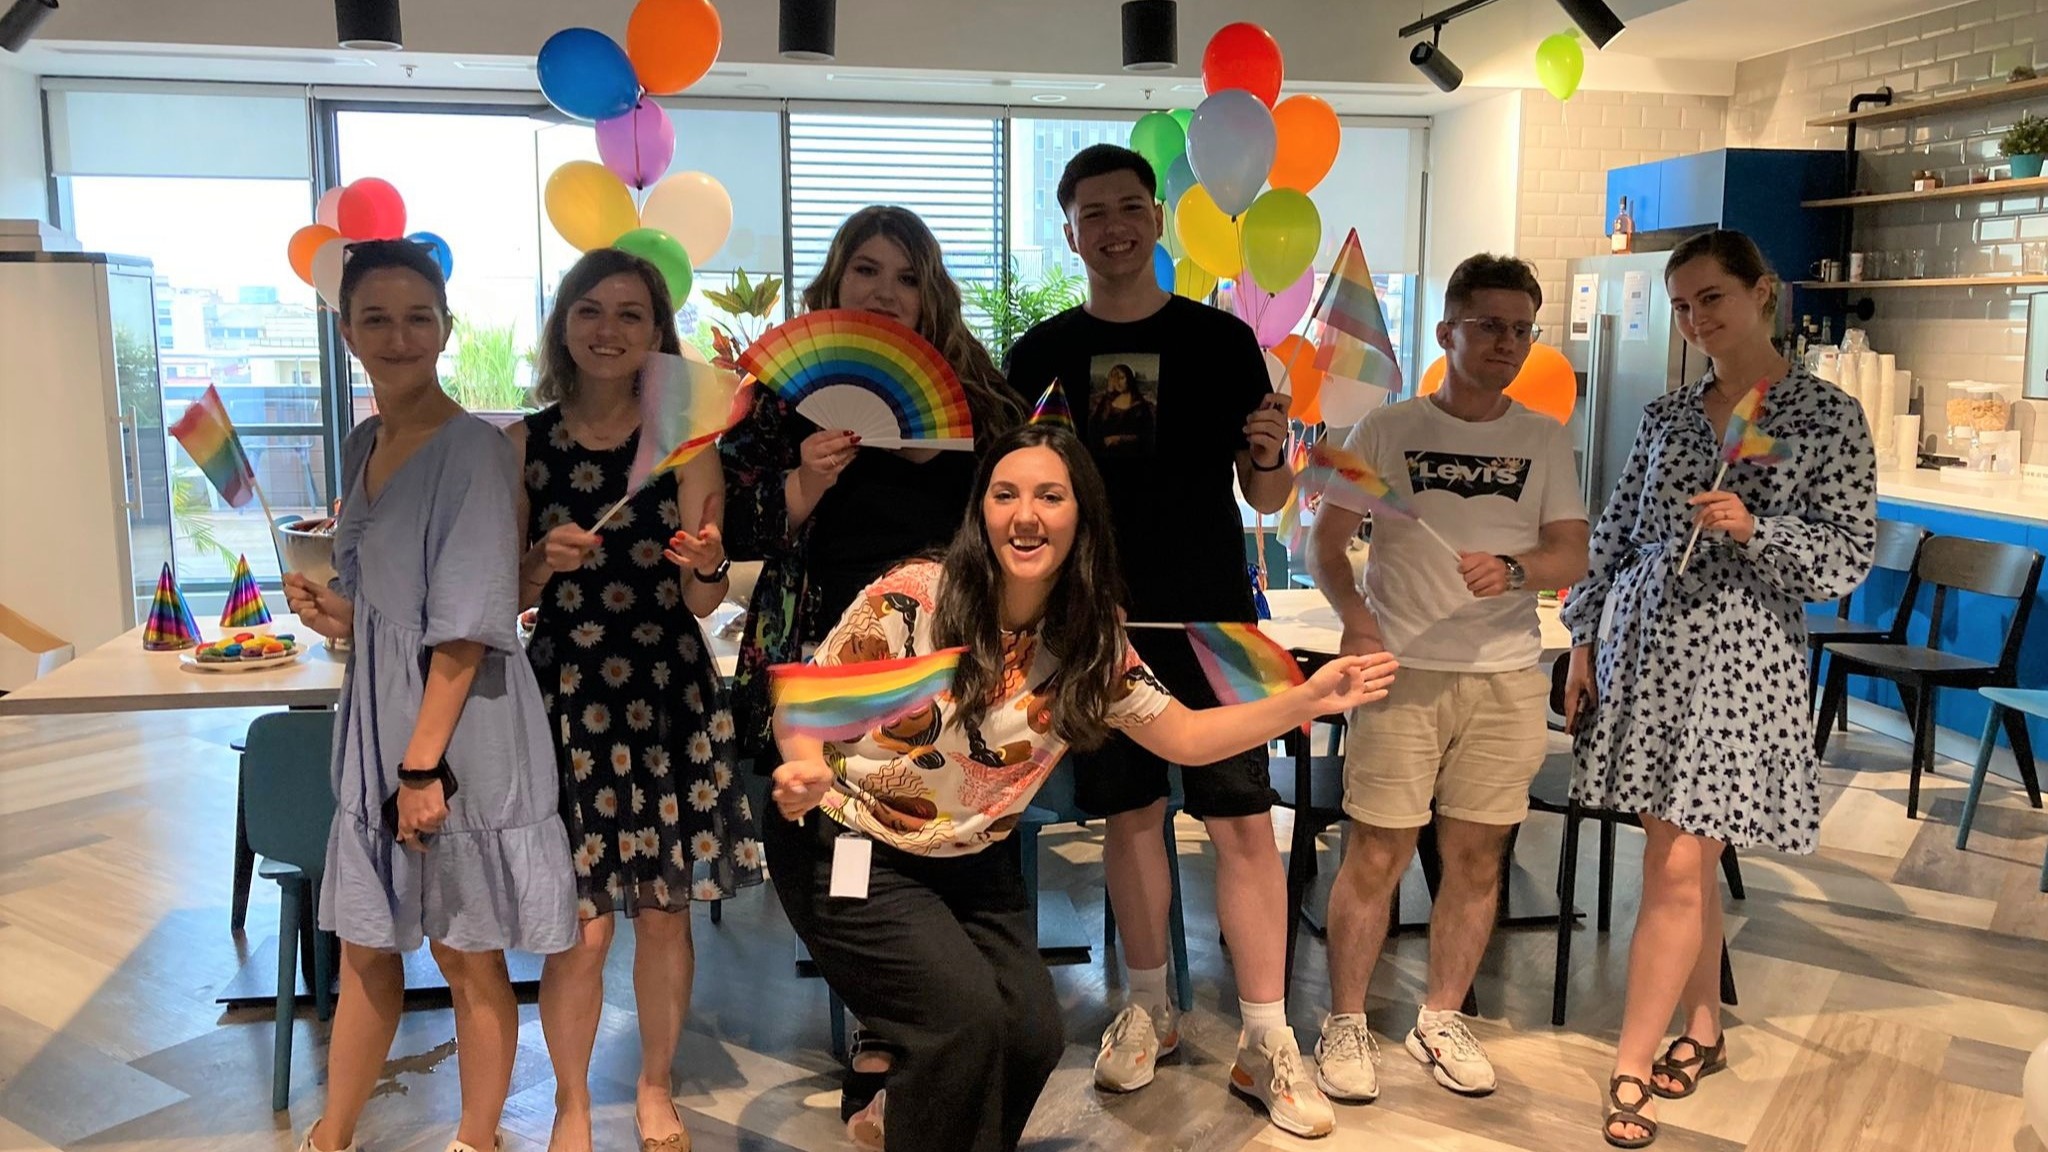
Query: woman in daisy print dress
[[1687, 691], [644, 734]]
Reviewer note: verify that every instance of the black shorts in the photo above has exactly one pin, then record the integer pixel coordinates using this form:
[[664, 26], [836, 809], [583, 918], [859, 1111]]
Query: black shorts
[[1122, 777]]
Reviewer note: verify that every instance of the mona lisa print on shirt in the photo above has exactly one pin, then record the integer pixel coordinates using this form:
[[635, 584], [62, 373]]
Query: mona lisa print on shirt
[[1123, 403]]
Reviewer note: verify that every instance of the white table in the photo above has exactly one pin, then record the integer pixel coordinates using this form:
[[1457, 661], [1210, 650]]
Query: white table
[[119, 676], [1304, 622]]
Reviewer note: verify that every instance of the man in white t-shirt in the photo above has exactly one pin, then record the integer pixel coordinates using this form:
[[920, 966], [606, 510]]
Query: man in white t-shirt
[[1465, 724]]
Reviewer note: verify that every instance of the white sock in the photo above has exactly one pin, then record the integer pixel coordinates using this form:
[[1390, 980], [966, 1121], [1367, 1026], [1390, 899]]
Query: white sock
[[1260, 1019], [1429, 1016], [1148, 991]]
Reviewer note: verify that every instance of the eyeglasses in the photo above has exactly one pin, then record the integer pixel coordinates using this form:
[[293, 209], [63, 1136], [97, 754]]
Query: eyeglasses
[[1493, 328]]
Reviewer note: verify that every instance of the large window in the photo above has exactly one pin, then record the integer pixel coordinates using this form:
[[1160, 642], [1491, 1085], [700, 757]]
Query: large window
[[1039, 151]]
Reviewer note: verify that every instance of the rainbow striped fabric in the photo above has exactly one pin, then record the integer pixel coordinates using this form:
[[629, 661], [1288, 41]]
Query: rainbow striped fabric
[[1242, 663], [208, 436], [1744, 441], [245, 607], [1291, 528], [1052, 407], [1349, 328], [1331, 468], [844, 702], [686, 404]]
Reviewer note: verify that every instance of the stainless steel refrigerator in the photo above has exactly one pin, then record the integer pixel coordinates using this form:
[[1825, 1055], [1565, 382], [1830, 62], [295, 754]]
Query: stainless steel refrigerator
[[1620, 339]]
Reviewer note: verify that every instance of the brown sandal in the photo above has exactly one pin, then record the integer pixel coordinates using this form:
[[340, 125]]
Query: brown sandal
[[1704, 1062], [1622, 1113]]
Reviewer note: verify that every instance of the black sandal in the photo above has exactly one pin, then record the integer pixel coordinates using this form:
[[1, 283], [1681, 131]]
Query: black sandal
[[1628, 1114], [1706, 1060], [858, 1088]]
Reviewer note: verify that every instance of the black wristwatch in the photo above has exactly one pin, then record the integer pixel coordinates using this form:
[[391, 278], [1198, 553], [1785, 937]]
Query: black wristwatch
[[1517, 575], [716, 574]]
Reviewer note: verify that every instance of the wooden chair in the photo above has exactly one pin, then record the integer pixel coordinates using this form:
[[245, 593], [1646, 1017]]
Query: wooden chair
[[1898, 546], [2005, 703], [1947, 563]]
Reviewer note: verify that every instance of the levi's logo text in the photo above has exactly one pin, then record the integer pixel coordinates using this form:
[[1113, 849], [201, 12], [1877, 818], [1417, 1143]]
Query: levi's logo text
[[1468, 476]]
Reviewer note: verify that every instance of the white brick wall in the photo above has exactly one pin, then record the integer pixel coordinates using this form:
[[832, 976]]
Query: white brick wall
[[1566, 151], [1941, 334]]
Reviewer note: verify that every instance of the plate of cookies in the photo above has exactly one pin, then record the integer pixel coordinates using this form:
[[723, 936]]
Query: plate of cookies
[[245, 652]]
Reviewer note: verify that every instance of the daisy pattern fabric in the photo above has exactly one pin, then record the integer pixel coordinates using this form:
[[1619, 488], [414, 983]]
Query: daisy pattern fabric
[[643, 730]]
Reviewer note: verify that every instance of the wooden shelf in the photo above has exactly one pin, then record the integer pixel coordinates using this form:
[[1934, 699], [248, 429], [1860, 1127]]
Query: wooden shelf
[[1990, 189], [1984, 97], [1928, 282]]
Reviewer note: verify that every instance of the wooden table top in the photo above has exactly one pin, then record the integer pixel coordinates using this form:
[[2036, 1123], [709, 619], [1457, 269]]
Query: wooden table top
[[1304, 622]]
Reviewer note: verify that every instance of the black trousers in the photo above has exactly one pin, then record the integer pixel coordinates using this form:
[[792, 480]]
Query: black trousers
[[942, 959]]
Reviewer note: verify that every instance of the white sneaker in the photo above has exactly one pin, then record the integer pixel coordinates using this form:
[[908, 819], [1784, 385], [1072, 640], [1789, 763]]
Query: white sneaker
[[307, 1144], [1132, 1046], [1452, 1053], [1272, 1074], [1348, 1059]]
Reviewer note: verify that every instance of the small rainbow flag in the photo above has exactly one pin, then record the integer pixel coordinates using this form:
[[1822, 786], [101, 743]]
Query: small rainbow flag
[[1052, 407], [1242, 663], [208, 436], [1290, 526], [686, 404], [1330, 467], [245, 607], [843, 702], [1348, 327], [1744, 441]]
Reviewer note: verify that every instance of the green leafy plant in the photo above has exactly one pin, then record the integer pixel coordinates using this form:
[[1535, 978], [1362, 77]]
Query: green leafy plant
[[2028, 136], [486, 373], [192, 514], [1009, 307], [748, 305]]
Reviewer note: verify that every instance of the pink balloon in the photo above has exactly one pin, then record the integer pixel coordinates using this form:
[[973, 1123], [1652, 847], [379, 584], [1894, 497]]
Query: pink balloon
[[637, 146], [329, 210], [1273, 316]]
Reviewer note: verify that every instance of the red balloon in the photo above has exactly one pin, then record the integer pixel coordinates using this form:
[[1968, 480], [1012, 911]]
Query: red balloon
[[1243, 56], [371, 209]]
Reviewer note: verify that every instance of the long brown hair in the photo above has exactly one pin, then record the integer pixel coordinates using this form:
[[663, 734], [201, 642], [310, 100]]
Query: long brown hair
[[557, 369], [1737, 255], [1079, 628], [939, 317]]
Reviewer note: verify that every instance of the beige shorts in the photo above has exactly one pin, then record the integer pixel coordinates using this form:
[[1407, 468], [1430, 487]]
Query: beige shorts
[[1472, 741]]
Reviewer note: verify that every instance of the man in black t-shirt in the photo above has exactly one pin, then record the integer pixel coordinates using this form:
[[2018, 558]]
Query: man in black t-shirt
[[1172, 399]]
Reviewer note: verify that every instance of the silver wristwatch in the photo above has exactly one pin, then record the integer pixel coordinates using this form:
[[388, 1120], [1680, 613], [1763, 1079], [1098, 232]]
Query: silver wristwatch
[[1517, 575]]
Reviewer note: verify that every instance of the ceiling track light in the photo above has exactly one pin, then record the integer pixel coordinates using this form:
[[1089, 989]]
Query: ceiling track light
[[1431, 62], [809, 30], [21, 20], [1151, 35], [1593, 17], [368, 25]]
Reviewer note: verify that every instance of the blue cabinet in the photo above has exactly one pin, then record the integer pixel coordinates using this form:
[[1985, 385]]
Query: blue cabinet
[[1752, 190], [1638, 183]]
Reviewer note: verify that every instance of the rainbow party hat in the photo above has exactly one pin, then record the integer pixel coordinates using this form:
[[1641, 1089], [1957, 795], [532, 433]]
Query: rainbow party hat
[[245, 601], [170, 626], [1052, 407]]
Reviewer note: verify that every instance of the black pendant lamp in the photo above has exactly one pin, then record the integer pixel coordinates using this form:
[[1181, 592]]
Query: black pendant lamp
[[809, 30], [1151, 36], [1595, 19], [368, 24]]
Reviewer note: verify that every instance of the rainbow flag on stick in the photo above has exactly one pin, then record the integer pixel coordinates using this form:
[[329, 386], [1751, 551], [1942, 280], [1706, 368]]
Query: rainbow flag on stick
[[208, 436], [686, 404], [1052, 407], [1333, 469], [1742, 443], [1348, 327], [1242, 663], [842, 702]]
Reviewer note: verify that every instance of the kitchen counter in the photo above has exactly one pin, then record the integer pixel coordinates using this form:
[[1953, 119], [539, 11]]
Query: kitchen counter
[[2012, 499]]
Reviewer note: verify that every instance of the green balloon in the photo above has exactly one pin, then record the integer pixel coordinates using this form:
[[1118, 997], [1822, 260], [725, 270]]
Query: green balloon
[[667, 255], [1282, 231], [1559, 64], [1185, 116], [1160, 139]]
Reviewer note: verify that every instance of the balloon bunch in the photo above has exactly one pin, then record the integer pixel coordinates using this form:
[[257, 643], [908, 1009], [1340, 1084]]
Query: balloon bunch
[[366, 209], [1235, 173], [678, 222]]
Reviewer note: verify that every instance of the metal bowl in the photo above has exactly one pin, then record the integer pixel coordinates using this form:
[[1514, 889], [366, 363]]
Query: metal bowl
[[308, 548]]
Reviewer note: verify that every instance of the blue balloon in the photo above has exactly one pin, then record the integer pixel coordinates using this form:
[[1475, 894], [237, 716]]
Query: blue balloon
[[1179, 178], [1162, 266], [443, 255], [587, 75]]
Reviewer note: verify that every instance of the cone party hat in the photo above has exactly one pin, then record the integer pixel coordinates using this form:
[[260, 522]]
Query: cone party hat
[[245, 607], [170, 626]]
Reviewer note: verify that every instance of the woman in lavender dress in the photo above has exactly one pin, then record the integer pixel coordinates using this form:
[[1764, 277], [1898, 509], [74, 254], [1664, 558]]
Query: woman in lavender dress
[[445, 826]]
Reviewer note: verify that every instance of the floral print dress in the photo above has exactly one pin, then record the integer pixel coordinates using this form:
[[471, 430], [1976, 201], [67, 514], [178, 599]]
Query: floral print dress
[[645, 739]]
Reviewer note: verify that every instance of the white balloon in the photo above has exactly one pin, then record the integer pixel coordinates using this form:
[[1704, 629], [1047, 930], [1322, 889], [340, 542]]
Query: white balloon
[[2034, 1091], [1276, 374], [329, 211], [327, 271], [694, 208]]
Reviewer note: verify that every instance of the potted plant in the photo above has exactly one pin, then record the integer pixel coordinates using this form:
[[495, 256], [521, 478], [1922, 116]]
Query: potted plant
[[749, 305], [1009, 307], [2025, 143]]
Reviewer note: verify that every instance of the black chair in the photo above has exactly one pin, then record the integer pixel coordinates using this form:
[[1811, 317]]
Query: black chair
[[1898, 546], [1551, 792], [2004, 571]]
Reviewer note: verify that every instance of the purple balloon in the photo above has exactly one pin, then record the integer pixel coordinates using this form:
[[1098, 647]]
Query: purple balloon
[[1273, 315], [638, 146]]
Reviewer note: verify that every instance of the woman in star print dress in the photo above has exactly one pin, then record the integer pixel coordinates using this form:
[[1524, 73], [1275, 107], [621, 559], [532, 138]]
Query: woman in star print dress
[[645, 738], [1687, 693]]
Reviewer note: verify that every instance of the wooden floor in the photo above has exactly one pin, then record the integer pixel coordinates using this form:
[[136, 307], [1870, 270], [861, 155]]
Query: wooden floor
[[1891, 988]]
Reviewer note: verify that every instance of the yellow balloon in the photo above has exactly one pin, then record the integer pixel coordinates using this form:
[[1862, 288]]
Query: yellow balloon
[[1209, 236], [1192, 280], [589, 205]]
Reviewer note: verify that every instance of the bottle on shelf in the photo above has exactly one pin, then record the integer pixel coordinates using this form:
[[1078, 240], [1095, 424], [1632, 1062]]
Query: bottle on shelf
[[1622, 240], [1827, 330], [1799, 341]]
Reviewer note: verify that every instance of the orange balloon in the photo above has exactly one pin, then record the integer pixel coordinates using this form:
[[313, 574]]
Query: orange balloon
[[1304, 379], [672, 43], [1306, 139], [1545, 384], [304, 244]]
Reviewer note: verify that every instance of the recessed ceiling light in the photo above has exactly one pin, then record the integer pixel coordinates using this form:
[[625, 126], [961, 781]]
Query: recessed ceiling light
[[1048, 98], [752, 86]]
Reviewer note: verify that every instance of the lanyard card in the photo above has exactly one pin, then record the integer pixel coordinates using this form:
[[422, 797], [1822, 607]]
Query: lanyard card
[[852, 856]]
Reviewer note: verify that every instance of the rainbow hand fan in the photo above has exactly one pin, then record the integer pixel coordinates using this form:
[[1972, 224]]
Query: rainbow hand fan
[[844, 368], [844, 702]]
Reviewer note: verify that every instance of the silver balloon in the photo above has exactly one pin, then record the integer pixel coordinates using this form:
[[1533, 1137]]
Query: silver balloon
[[1230, 148]]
